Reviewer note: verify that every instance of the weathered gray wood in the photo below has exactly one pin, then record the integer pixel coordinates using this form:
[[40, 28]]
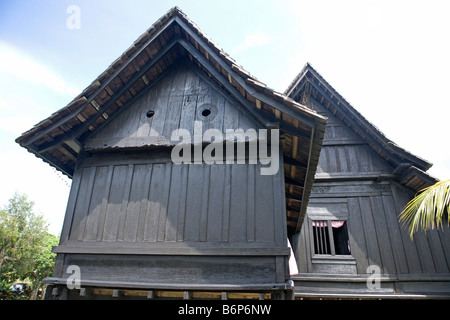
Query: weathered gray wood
[[250, 210], [383, 237], [349, 170], [216, 207], [137, 206], [116, 195], [70, 210], [394, 231], [155, 205], [177, 191], [98, 196], [411, 254], [237, 210], [264, 219], [177, 100], [176, 270], [82, 207]]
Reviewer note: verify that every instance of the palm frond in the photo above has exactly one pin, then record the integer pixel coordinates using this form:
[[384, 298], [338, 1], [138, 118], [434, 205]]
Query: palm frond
[[428, 209]]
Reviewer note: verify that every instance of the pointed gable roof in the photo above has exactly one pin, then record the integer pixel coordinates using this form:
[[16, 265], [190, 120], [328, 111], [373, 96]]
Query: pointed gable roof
[[58, 140], [410, 170]]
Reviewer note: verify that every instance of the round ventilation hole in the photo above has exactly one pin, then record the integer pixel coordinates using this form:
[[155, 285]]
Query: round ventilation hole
[[206, 112], [150, 113]]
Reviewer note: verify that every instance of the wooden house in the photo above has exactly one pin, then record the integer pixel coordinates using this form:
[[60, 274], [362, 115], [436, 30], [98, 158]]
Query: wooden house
[[351, 244], [137, 223]]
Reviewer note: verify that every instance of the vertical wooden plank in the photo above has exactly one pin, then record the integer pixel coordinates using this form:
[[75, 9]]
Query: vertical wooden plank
[[160, 103], [330, 236], [332, 160], [374, 161], [251, 203], [323, 165], [125, 199], [70, 210], [437, 251], [216, 202], [127, 123], [154, 203], [104, 204], [237, 232], [193, 203], [189, 103], [95, 209], [299, 248], [174, 106], [279, 204], [245, 122], [412, 257], [204, 202], [231, 116], [226, 203], [384, 241], [370, 234], [116, 195], [82, 207], [218, 101], [352, 158], [147, 104], [424, 251], [395, 234], [173, 206], [165, 190], [138, 192], [444, 235], [143, 210], [343, 162], [265, 232], [363, 156], [182, 202], [356, 235], [309, 245]]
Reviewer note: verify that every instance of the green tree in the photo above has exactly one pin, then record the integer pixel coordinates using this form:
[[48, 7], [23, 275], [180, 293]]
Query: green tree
[[428, 209], [25, 244]]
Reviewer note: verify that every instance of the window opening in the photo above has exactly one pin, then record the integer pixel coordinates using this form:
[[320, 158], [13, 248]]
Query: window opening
[[330, 237]]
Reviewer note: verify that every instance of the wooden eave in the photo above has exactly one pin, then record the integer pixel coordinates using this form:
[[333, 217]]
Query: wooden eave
[[58, 140], [322, 91]]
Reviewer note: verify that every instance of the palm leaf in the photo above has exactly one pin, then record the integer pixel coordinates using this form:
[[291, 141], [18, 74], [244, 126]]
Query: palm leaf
[[428, 209]]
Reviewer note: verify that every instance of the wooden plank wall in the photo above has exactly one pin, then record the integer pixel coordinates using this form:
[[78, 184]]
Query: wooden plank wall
[[164, 202], [177, 100], [371, 209]]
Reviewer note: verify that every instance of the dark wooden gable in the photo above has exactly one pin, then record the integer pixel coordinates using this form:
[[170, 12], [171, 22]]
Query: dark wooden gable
[[344, 153], [181, 97], [61, 138], [310, 88]]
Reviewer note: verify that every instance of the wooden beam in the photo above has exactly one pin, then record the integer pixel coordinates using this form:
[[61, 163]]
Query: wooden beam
[[293, 199], [292, 182], [292, 162]]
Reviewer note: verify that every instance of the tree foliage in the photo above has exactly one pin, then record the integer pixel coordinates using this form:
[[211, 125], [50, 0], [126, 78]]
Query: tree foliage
[[25, 244], [428, 209]]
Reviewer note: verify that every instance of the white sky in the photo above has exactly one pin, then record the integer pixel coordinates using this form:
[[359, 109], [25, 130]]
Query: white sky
[[389, 59]]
